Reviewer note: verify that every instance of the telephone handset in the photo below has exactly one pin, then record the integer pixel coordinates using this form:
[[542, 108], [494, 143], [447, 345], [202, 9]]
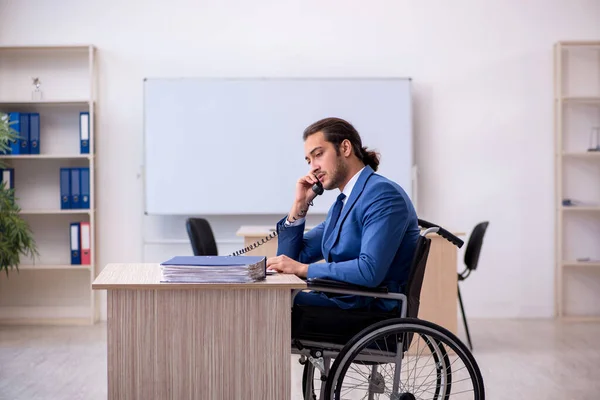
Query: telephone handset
[[317, 188]]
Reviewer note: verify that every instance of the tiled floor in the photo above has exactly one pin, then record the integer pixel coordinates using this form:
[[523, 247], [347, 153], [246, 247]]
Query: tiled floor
[[519, 359]]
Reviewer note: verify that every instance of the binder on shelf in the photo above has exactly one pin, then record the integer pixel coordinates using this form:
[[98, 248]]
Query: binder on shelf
[[34, 133], [24, 140], [4, 119], [84, 131], [7, 176], [75, 244], [84, 187], [14, 118], [75, 185], [85, 241], [65, 188]]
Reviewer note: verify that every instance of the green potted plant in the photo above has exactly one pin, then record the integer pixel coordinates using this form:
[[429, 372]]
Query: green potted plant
[[16, 238]]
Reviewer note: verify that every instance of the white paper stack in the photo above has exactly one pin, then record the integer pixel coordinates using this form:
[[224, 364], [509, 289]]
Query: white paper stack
[[214, 269]]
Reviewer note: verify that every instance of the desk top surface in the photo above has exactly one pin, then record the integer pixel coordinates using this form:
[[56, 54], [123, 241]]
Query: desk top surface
[[147, 276]]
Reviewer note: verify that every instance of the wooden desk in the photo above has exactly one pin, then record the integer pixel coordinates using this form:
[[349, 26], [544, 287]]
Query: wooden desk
[[196, 341], [439, 292]]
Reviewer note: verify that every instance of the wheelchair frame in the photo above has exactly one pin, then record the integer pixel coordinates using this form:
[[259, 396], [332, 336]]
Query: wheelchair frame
[[317, 354]]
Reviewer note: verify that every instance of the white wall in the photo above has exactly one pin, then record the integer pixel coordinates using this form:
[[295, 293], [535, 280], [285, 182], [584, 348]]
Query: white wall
[[482, 74]]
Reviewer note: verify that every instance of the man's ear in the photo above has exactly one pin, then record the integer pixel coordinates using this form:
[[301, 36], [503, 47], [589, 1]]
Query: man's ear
[[346, 147]]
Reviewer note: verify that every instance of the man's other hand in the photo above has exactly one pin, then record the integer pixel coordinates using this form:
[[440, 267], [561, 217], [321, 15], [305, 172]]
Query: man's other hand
[[287, 265]]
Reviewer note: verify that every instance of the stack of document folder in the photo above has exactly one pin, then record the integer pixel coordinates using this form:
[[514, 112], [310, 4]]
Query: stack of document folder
[[214, 269]]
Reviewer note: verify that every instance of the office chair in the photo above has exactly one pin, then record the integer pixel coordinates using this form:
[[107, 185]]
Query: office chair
[[201, 237], [471, 259]]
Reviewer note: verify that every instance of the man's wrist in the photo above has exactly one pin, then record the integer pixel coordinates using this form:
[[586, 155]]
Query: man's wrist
[[302, 271]]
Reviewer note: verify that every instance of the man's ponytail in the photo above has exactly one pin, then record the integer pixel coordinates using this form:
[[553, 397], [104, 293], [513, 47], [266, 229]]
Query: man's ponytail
[[370, 158]]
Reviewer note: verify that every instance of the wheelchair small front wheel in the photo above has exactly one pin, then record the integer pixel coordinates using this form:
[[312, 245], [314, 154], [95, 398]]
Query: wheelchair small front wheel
[[405, 359]]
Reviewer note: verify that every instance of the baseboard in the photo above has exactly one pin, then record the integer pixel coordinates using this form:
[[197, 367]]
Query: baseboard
[[45, 316]]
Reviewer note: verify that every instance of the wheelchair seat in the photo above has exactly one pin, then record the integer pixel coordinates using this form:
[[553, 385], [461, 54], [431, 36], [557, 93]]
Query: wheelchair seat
[[332, 325]]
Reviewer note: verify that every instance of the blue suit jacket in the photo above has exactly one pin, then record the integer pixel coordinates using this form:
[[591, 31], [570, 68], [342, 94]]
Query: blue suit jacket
[[372, 243]]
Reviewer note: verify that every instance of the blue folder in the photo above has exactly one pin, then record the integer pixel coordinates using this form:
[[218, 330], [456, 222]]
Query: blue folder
[[75, 245], [14, 119], [75, 188], [24, 140], [84, 187], [10, 172], [65, 188], [84, 132], [34, 133]]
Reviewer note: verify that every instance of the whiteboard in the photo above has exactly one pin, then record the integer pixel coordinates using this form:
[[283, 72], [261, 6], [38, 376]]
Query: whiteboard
[[234, 146]]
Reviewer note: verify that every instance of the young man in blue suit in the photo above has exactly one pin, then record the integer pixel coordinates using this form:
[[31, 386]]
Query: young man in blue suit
[[370, 233]]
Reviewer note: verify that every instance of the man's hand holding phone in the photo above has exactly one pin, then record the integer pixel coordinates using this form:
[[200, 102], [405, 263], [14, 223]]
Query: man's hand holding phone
[[307, 188]]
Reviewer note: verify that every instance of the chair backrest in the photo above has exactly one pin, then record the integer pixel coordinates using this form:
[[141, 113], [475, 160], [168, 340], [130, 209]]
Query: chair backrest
[[415, 278], [474, 245], [201, 237]]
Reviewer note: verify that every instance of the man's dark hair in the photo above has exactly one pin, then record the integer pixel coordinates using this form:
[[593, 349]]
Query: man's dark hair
[[336, 130]]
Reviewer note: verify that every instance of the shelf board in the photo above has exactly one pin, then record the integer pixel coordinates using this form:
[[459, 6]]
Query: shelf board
[[54, 267], [578, 208], [582, 100], [49, 47], [583, 318], [45, 156], [56, 211], [591, 44], [582, 154], [588, 264], [68, 102]]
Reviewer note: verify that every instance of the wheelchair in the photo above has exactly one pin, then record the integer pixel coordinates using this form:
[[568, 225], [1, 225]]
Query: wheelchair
[[382, 355]]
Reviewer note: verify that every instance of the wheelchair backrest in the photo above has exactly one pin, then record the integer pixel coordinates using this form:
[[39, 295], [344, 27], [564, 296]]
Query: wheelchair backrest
[[417, 273]]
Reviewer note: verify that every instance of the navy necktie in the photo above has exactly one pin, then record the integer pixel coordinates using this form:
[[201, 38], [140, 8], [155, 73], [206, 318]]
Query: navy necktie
[[335, 215]]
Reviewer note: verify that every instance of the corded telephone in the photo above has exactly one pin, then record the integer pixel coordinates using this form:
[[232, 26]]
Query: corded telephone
[[317, 188]]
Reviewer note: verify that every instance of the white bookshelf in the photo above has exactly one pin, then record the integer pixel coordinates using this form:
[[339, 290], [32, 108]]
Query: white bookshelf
[[577, 177], [49, 290]]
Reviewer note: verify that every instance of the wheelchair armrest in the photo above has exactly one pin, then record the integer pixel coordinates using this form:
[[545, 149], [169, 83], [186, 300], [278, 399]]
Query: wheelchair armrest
[[329, 283]]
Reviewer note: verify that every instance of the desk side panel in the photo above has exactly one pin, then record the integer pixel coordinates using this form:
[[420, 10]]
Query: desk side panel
[[439, 291], [217, 344]]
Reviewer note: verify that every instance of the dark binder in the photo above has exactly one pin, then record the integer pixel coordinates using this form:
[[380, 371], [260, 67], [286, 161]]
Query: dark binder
[[84, 132], [75, 188], [14, 118], [75, 245], [84, 187], [65, 188], [24, 140], [7, 176], [34, 133]]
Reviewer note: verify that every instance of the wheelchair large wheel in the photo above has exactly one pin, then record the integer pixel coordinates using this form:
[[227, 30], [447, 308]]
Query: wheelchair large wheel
[[405, 359]]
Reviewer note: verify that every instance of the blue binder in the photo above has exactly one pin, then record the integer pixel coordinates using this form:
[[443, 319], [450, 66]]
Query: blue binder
[[84, 187], [65, 188], [84, 132], [7, 176], [24, 141], [14, 119], [75, 247], [75, 188], [34, 133]]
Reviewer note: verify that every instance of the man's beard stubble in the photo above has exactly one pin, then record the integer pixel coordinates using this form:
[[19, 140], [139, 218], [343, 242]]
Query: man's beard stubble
[[339, 174]]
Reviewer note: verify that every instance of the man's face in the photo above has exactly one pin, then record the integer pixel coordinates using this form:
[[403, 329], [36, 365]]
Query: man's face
[[324, 161]]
